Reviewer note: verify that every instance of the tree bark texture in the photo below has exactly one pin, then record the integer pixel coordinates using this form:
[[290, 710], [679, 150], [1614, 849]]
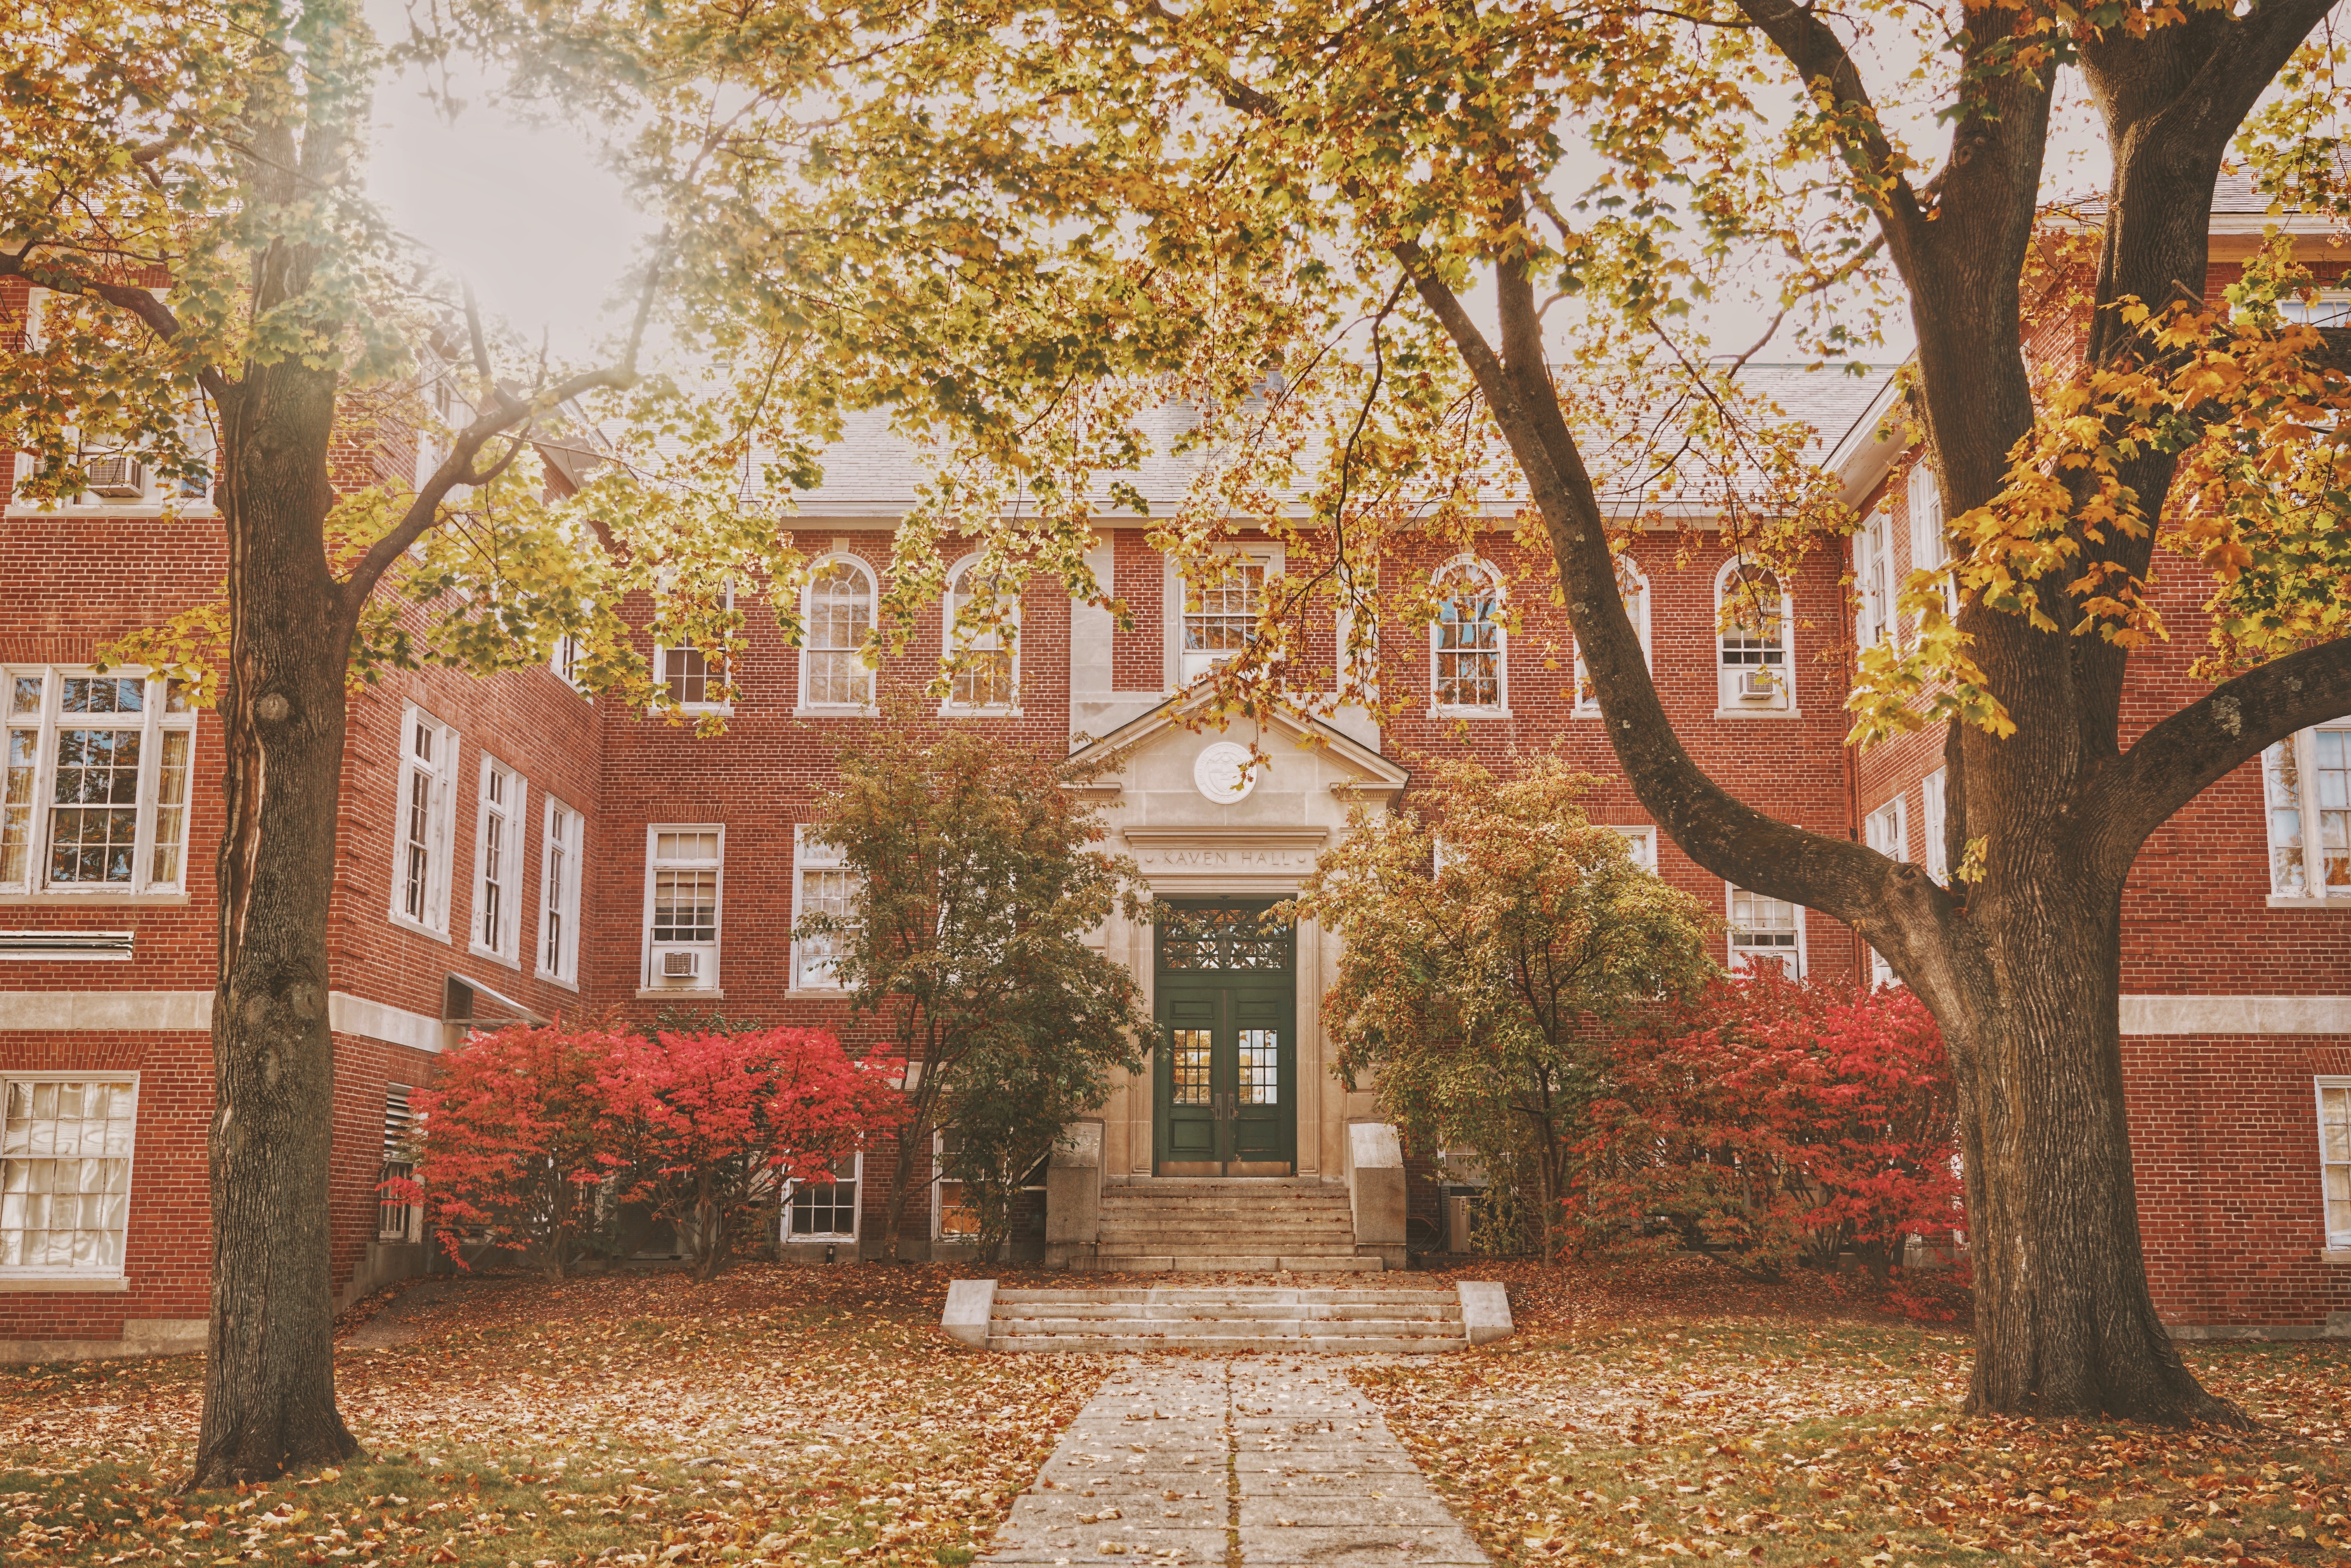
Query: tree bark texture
[[2022, 968], [270, 1376]]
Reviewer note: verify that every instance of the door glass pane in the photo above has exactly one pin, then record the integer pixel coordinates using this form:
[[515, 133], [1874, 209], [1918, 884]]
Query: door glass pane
[[1191, 1059], [1260, 1067]]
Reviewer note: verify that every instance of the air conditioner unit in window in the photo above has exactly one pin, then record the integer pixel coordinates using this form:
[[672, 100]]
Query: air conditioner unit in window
[[119, 478], [681, 966], [1757, 686]]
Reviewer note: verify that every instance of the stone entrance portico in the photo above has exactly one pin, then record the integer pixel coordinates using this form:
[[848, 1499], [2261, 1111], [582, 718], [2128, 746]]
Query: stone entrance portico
[[1213, 818]]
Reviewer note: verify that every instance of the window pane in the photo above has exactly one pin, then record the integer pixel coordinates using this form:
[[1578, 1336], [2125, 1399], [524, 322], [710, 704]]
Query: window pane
[[2331, 784], [1468, 633], [840, 611], [65, 1175], [1191, 1066], [26, 698], [1751, 618], [1260, 1066], [16, 804], [1221, 616], [2282, 792], [104, 694], [94, 824], [686, 905], [416, 839], [687, 673], [171, 809]]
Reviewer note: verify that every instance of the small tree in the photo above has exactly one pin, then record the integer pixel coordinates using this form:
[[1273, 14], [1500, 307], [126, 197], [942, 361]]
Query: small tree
[[510, 1146], [1486, 932], [1770, 1120], [710, 1130], [975, 882]]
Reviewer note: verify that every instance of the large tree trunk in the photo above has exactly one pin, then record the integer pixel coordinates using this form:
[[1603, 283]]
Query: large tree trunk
[[2066, 1325], [270, 1374]]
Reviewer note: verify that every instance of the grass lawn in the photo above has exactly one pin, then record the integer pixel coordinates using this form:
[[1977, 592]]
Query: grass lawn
[[1675, 1414], [780, 1414]]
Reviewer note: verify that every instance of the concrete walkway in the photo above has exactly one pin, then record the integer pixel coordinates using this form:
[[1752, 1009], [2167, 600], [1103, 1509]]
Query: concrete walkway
[[1248, 1463]]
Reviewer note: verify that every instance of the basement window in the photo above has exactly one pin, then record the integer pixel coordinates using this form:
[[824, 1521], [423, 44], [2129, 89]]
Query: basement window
[[65, 1175]]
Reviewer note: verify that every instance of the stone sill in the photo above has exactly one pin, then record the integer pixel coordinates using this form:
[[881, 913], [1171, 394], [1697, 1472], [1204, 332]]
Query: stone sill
[[692, 993], [1758, 711], [96, 900], [2335, 1255], [1472, 713], [63, 1284], [2339, 901]]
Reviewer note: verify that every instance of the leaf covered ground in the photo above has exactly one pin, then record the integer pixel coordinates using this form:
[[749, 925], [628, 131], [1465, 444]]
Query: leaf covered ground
[[1676, 1414], [783, 1414]]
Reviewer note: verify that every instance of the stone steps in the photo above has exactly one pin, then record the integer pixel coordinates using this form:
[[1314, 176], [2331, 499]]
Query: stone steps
[[1225, 1225], [1227, 1320]]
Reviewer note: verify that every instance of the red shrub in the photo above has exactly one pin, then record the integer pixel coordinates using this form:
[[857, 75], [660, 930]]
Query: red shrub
[[1773, 1120]]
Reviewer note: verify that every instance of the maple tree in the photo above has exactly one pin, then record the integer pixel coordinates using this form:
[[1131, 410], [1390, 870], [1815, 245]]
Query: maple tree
[[1379, 252], [711, 1131], [1769, 1120], [975, 880], [1490, 933]]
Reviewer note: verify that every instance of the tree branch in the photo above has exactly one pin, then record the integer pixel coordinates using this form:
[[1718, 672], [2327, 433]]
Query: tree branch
[[151, 312], [1820, 57], [2236, 721], [1715, 828]]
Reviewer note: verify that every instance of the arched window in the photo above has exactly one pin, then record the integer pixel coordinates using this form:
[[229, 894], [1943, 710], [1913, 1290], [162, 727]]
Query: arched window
[[1752, 639], [1468, 645], [1634, 587], [979, 630], [833, 672]]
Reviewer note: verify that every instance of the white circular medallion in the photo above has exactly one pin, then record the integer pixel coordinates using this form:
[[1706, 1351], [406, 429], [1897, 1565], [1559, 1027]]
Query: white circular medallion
[[1223, 773]]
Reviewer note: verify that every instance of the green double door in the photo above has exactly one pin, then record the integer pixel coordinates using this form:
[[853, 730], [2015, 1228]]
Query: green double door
[[1227, 1066]]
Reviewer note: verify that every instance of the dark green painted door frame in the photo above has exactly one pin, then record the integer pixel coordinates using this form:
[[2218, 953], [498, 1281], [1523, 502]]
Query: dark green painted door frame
[[1225, 1076]]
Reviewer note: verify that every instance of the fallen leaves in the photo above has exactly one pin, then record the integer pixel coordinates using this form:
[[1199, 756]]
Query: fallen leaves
[[778, 1415], [1662, 1438]]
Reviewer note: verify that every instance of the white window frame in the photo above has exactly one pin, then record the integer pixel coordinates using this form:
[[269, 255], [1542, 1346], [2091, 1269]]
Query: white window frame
[[563, 659], [1930, 544], [1587, 700], [505, 818], [867, 707], [438, 772], [1873, 579], [661, 651], [954, 642], [1641, 838], [20, 1275], [1501, 706], [1887, 830], [38, 731], [156, 498], [856, 1209], [2331, 307], [1729, 675], [1935, 825], [811, 971], [939, 1194], [1740, 957], [437, 390], [562, 841], [2310, 810], [2336, 1237], [1183, 668], [707, 981]]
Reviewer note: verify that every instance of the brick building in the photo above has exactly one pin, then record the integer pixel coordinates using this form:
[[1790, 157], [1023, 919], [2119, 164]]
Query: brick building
[[510, 848]]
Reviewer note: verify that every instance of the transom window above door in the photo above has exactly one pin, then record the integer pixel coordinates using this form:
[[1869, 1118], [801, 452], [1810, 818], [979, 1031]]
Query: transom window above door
[[1220, 937]]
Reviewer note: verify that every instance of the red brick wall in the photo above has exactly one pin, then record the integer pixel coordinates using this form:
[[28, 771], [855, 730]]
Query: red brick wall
[[2225, 1136]]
